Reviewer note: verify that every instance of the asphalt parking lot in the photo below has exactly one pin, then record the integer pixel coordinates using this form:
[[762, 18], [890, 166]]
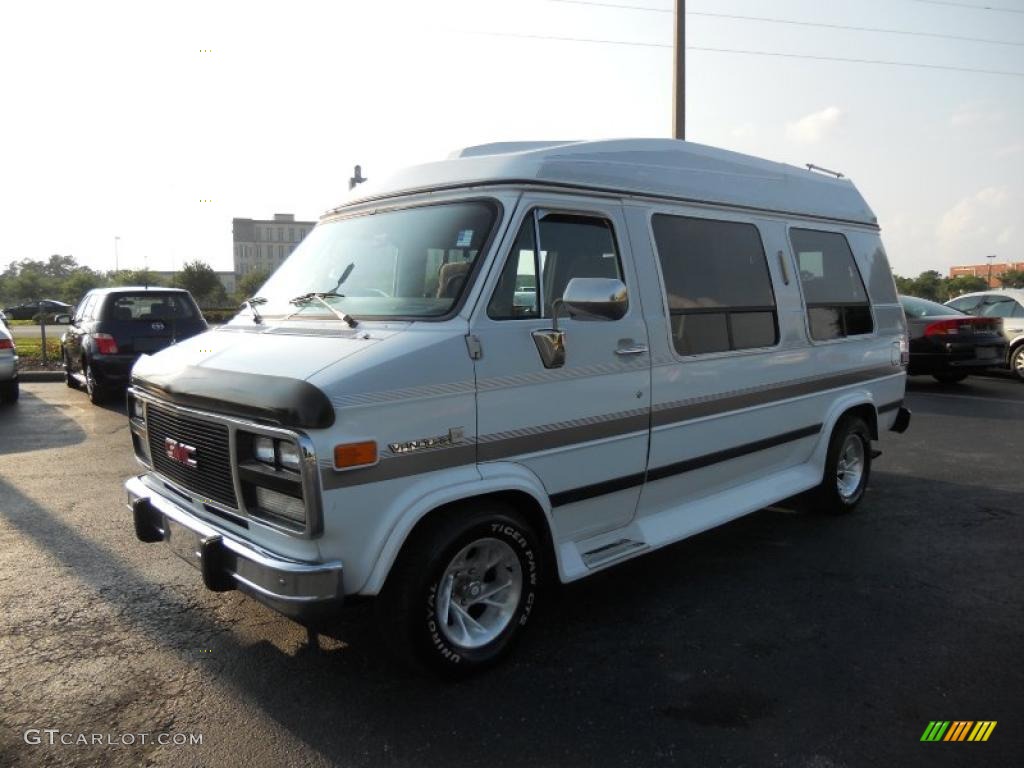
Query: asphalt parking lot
[[783, 639]]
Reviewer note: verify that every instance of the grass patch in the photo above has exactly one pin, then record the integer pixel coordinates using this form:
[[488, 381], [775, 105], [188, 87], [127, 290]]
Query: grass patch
[[30, 352]]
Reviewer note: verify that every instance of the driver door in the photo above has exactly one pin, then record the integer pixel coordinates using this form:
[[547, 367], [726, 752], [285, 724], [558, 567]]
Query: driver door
[[581, 428]]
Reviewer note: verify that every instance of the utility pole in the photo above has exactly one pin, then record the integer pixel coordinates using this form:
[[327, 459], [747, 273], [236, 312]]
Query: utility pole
[[679, 75], [115, 253], [990, 258]]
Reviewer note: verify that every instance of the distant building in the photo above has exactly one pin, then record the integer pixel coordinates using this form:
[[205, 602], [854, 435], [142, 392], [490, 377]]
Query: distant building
[[227, 279], [265, 243], [982, 271]]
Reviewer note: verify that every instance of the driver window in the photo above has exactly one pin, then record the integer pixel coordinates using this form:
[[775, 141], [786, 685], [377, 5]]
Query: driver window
[[571, 246]]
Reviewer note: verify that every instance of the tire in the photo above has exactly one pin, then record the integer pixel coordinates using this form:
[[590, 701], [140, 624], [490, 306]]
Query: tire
[[847, 467], [949, 377], [428, 607], [69, 379], [97, 394], [9, 392], [1017, 362]]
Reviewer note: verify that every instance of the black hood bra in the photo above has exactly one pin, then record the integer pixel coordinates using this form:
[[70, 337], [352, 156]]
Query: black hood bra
[[274, 400]]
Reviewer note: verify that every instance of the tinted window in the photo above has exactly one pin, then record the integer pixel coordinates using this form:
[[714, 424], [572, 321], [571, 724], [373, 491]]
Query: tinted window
[[717, 284], [125, 307], [837, 304], [570, 246], [915, 307], [995, 306]]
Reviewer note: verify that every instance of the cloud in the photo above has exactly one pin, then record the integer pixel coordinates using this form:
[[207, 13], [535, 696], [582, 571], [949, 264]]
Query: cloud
[[812, 128], [745, 131], [968, 115], [1010, 150], [977, 217]]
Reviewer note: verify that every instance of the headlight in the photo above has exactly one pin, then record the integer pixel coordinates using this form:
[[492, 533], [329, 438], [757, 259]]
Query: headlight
[[138, 410], [263, 450], [288, 455]]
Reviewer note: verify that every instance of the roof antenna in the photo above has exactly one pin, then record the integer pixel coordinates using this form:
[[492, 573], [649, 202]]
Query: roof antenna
[[813, 167], [358, 178]]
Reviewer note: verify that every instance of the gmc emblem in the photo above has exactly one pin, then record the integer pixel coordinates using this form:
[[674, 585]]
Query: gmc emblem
[[179, 452]]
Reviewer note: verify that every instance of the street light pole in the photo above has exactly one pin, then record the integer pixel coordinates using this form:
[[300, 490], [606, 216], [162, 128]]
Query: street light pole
[[679, 74], [990, 257], [115, 254]]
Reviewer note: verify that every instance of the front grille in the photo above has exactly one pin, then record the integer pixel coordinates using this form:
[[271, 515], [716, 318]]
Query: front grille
[[211, 477]]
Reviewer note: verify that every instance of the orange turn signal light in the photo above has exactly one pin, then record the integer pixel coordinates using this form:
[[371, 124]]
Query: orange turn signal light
[[355, 454]]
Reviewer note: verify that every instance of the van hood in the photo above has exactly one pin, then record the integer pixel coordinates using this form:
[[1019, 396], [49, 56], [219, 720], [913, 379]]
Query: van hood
[[258, 374]]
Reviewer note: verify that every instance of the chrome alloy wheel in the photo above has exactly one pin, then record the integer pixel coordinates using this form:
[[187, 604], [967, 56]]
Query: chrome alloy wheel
[[850, 467], [1017, 362], [479, 593]]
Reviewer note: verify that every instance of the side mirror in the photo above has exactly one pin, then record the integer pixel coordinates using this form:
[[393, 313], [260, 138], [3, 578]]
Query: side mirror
[[62, 319], [589, 298], [596, 298]]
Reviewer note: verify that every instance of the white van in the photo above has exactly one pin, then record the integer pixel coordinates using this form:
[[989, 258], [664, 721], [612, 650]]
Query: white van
[[522, 365]]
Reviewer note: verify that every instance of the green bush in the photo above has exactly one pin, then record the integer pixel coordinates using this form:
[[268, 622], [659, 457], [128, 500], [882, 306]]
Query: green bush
[[220, 315]]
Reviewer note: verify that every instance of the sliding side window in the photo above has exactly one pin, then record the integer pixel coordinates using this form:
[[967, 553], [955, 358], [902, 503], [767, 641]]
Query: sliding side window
[[719, 291], [837, 303]]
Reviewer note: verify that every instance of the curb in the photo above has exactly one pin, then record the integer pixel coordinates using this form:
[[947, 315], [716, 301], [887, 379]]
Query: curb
[[29, 376]]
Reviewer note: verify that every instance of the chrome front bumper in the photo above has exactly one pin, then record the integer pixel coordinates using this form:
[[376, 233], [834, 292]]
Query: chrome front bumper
[[302, 591]]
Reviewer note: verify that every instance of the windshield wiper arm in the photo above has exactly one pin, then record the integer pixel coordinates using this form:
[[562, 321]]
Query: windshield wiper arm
[[322, 296], [252, 302]]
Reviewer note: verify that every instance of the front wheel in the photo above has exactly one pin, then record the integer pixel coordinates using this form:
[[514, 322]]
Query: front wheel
[[462, 590], [1017, 362], [847, 467]]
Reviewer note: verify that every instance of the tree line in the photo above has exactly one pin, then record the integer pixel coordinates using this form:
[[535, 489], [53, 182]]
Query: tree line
[[932, 285], [64, 279]]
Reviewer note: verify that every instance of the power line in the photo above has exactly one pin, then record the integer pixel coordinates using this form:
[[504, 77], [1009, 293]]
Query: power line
[[822, 25], [746, 52], [998, 8]]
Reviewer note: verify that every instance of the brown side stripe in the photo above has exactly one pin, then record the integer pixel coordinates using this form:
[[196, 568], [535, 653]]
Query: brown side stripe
[[672, 414], [505, 445]]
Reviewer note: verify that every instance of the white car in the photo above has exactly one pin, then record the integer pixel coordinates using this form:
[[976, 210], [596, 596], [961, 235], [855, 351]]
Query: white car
[[1004, 303], [8, 365], [523, 364]]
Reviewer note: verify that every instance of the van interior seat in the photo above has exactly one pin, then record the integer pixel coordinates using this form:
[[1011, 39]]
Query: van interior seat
[[451, 278]]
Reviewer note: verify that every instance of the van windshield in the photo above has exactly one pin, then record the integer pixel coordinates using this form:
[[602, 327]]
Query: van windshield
[[413, 262]]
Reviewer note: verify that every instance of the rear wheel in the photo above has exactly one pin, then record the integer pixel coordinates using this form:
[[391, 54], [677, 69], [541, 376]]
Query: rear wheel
[[949, 377], [462, 589], [1017, 362], [9, 391], [97, 395], [847, 467]]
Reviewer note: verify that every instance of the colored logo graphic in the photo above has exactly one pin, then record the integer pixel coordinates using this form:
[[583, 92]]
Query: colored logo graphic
[[958, 730]]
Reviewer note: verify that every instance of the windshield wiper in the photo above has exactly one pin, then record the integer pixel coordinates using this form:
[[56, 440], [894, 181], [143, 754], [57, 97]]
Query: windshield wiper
[[251, 303], [322, 296]]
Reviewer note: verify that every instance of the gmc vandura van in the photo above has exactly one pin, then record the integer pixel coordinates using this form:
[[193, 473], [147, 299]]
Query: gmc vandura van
[[521, 365]]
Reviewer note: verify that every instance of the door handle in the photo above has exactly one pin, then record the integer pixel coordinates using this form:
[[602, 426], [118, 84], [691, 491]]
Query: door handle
[[632, 349]]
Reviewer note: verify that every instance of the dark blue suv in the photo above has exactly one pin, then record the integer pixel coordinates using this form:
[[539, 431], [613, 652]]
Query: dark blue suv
[[111, 327]]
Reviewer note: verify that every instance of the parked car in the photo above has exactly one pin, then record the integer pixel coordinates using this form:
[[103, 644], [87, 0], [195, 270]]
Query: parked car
[[524, 363], [948, 344], [28, 310], [112, 327], [1007, 304], [9, 389]]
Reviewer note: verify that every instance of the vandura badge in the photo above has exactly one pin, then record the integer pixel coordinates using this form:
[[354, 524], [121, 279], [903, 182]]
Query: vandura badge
[[454, 436], [179, 452]]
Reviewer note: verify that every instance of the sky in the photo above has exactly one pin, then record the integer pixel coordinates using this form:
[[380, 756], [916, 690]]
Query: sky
[[157, 123]]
